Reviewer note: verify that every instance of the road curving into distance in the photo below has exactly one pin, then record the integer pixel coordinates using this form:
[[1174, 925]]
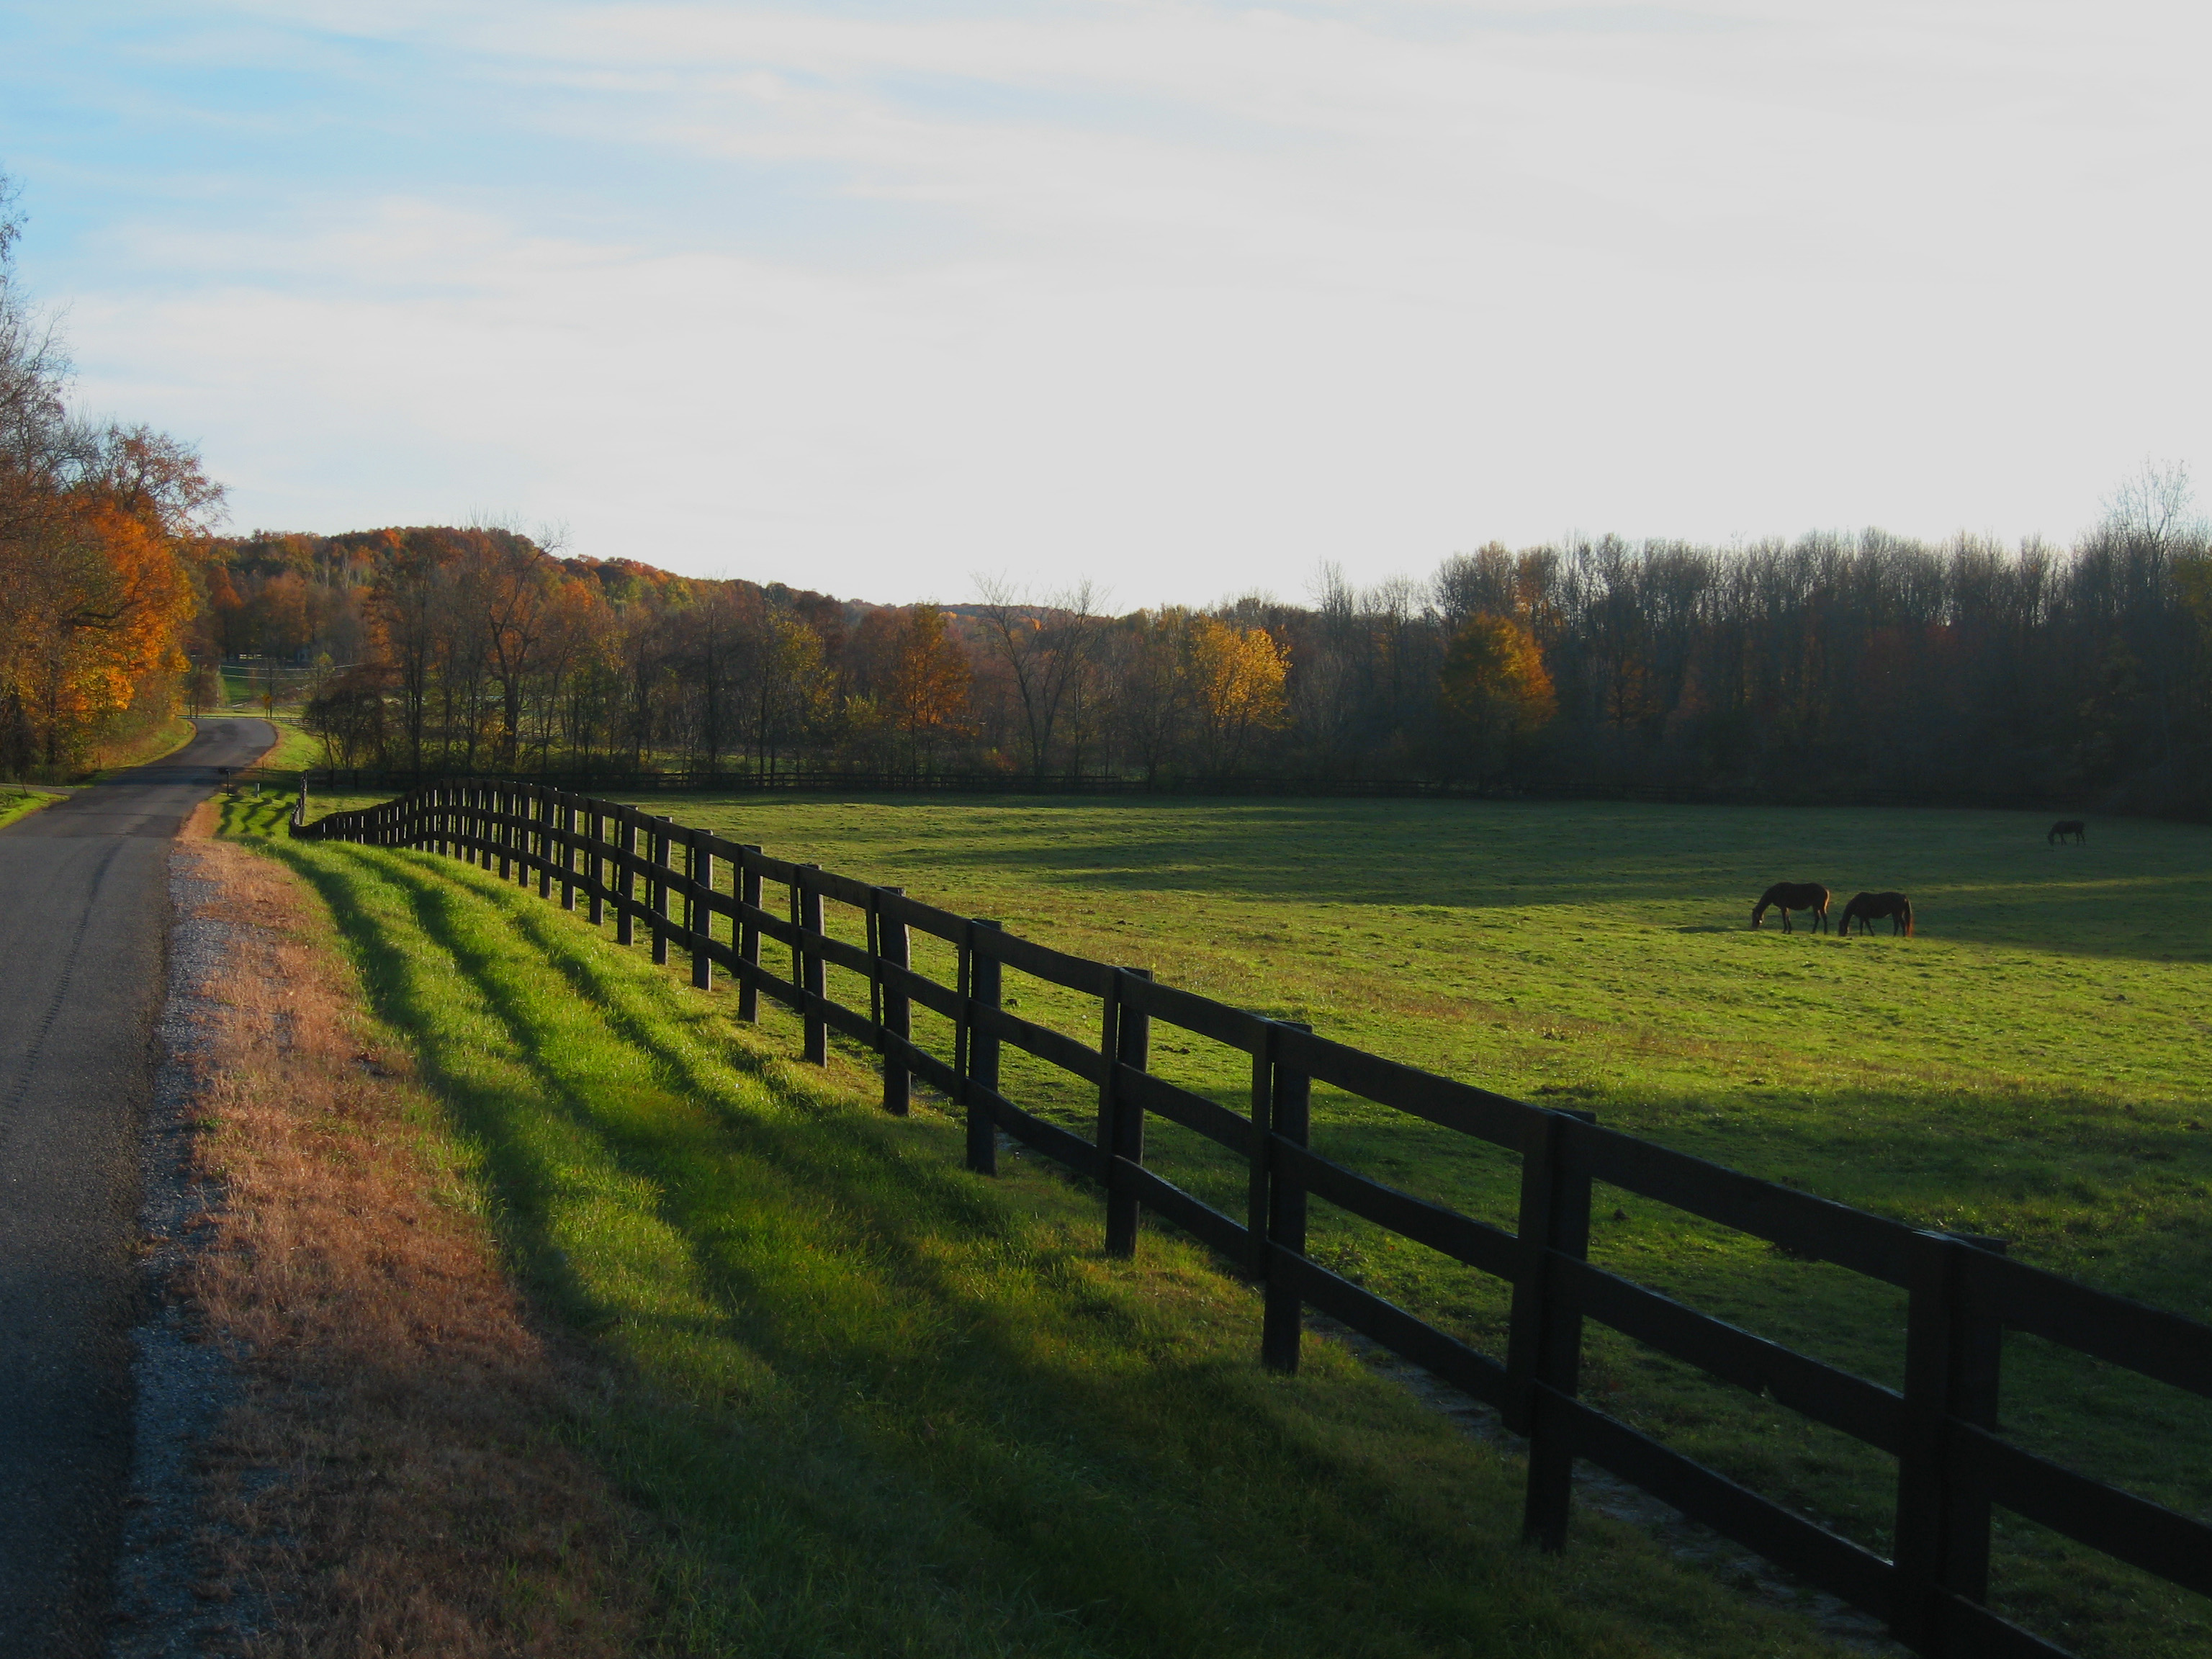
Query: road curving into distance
[[84, 909]]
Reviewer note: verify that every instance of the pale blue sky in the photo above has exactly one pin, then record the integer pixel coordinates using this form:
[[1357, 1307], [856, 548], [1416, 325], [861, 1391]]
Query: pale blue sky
[[1187, 297]]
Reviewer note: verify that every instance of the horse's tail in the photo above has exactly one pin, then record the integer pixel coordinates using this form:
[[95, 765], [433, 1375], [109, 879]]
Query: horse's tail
[[1908, 917]]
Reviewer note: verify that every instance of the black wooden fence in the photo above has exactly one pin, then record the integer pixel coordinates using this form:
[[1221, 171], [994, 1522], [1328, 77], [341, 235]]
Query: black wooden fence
[[702, 897], [818, 779]]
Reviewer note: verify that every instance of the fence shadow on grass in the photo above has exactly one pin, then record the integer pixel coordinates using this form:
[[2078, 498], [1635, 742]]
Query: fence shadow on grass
[[904, 1357], [1955, 1465]]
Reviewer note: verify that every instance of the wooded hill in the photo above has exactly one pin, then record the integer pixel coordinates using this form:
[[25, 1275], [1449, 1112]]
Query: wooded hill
[[1822, 668], [1816, 669]]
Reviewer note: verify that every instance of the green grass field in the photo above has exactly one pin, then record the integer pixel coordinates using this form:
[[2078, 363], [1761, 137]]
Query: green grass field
[[2030, 1065], [877, 1405]]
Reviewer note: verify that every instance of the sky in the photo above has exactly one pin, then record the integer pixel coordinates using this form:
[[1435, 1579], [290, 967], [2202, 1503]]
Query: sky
[[1187, 299]]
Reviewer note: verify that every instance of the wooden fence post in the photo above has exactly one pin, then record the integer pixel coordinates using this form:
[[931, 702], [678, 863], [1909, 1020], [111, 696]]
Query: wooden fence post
[[1977, 1363], [748, 931], [626, 877], [807, 907], [896, 1019], [1124, 1040], [544, 816], [699, 916], [595, 863], [1544, 1348], [977, 1052], [1951, 1359], [565, 824], [1257, 1185], [502, 805], [1291, 1110], [661, 856]]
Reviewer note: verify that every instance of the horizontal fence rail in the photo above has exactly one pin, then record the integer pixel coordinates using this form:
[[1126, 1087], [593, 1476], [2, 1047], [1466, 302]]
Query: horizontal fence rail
[[707, 900], [816, 779]]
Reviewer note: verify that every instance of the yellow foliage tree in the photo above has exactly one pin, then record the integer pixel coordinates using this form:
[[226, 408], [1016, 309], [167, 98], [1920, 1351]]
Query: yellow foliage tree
[[1236, 683], [1494, 691]]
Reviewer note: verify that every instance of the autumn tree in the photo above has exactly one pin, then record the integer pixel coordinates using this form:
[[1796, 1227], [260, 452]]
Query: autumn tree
[[1236, 689], [1046, 646], [94, 598], [925, 695], [1494, 691], [1152, 687], [783, 683]]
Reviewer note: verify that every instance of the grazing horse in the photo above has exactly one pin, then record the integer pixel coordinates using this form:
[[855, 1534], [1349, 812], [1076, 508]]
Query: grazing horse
[[1787, 895], [2065, 827], [1866, 909]]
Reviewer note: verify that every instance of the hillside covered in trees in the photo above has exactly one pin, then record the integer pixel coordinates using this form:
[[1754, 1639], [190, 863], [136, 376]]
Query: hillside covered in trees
[[1822, 668]]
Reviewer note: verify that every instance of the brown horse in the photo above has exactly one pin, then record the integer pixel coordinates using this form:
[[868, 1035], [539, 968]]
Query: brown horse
[[1866, 909], [2067, 828], [1787, 895]]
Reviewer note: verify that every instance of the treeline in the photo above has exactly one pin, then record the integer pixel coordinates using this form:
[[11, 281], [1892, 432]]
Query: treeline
[[1815, 669], [97, 594]]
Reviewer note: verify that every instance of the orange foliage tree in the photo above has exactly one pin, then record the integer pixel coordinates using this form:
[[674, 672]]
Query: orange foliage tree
[[94, 595], [94, 603], [928, 694]]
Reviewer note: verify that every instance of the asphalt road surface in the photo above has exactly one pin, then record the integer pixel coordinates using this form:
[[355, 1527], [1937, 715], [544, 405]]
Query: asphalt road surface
[[83, 913]]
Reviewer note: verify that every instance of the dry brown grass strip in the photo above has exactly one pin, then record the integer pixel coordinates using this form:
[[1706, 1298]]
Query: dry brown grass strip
[[393, 1482]]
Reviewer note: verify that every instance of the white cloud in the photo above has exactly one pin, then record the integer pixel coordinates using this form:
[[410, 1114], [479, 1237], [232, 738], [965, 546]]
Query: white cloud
[[1194, 297]]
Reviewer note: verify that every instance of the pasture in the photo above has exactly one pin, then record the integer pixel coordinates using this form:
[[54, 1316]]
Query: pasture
[[2031, 1066]]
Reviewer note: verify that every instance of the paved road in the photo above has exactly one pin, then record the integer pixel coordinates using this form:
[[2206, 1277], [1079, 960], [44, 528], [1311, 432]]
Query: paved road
[[84, 911]]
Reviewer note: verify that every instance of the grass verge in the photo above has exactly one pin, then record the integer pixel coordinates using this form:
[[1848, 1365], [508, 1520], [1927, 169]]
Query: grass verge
[[395, 1479], [878, 1405], [16, 803]]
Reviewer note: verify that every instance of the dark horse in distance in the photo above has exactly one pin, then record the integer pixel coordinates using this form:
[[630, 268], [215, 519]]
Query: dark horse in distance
[[1787, 895], [1866, 909], [2067, 828]]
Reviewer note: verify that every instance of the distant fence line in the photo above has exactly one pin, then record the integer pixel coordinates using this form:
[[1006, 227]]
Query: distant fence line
[[683, 884], [823, 780]]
